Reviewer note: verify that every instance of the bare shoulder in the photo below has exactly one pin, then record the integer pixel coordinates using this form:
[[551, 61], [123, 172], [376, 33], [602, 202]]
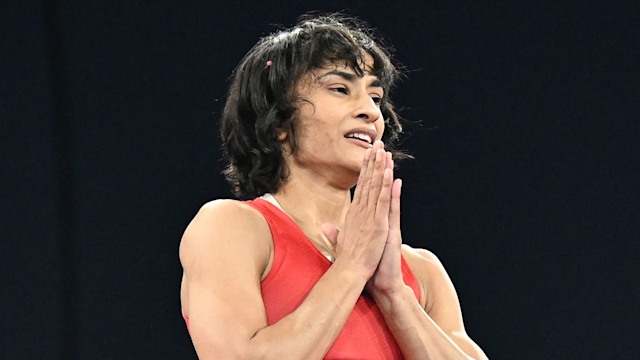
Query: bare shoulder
[[442, 303], [224, 253], [222, 225], [437, 287], [422, 260], [225, 212]]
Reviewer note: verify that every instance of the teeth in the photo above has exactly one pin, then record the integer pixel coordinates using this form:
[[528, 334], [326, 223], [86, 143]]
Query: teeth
[[360, 136]]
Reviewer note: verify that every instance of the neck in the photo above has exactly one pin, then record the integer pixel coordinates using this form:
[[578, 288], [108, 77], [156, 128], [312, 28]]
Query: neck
[[311, 203]]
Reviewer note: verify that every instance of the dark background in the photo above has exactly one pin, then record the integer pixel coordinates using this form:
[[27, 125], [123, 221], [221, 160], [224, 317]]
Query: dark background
[[523, 118]]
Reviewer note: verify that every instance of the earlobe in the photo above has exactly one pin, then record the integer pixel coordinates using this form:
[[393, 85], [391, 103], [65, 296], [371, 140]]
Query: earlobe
[[281, 135]]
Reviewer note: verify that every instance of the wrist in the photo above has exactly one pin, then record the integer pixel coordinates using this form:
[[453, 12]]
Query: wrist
[[392, 299], [356, 273]]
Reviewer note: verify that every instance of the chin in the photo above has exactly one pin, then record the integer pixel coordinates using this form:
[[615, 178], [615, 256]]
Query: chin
[[354, 170], [357, 151]]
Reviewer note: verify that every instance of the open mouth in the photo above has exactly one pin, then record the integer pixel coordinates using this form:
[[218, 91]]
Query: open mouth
[[366, 138]]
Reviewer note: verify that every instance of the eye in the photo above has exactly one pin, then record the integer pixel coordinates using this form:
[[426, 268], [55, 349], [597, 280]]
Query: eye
[[376, 99], [340, 89]]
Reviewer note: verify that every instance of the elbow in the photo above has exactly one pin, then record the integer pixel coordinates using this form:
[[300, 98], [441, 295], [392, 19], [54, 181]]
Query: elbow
[[208, 350]]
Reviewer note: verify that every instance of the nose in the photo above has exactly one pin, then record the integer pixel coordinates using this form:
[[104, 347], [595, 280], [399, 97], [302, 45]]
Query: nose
[[367, 109]]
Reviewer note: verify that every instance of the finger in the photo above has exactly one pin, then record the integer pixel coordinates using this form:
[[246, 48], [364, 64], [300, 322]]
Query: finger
[[331, 232], [394, 211], [357, 194], [366, 171], [384, 197], [379, 165], [369, 173], [377, 178]]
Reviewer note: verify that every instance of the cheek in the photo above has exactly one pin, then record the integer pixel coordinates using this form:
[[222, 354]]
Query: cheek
[[317, 131], [380, 128], [319, 136], [312, 135]]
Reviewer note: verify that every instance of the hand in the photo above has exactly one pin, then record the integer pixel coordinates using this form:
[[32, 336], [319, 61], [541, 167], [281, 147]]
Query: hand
[[387, 278], [388, 275], [366, 228]]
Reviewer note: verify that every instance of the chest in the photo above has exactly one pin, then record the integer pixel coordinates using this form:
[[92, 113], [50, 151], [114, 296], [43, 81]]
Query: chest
[[297, 266]]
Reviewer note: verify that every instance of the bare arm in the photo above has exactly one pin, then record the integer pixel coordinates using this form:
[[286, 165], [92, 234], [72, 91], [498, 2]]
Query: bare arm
[[432, 331], [224, 252], [223, 301], [437, 330]]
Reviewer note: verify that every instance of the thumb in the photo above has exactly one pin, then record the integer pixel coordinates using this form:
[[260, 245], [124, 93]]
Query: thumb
[[331, 232]]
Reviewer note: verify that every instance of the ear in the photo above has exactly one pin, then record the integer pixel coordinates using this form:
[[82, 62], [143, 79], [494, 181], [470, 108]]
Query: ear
[[281, 135]]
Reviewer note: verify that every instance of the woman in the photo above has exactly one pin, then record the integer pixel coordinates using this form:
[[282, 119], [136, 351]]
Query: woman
[[305, 270]]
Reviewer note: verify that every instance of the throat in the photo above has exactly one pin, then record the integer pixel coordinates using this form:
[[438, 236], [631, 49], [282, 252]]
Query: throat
[[311, 229]]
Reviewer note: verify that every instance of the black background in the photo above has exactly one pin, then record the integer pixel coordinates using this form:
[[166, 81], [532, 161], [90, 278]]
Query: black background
[[522, 116]]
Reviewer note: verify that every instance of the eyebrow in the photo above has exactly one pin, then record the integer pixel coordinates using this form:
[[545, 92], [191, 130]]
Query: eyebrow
[[350, 77]]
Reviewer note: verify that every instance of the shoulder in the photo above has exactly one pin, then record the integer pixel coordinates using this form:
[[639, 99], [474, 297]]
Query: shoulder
[[224, 224], [421, 260], [226, 215], [430, 274], [442, 303], [224, 252], [221, 211]]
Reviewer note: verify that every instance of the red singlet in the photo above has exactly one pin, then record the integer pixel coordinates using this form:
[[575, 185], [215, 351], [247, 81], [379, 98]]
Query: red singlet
[[297, 267]]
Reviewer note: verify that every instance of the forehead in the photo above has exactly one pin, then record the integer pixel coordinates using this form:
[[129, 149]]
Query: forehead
[[366, 68], [368, 63]]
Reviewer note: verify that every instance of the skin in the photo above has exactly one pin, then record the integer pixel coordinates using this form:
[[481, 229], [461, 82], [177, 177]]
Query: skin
[[227, 249]]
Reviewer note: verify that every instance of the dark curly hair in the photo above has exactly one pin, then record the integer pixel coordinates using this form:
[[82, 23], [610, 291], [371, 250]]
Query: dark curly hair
[[262, 99]]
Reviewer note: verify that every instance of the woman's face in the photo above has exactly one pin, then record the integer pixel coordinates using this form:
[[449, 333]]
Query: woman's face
[[338, 118]]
